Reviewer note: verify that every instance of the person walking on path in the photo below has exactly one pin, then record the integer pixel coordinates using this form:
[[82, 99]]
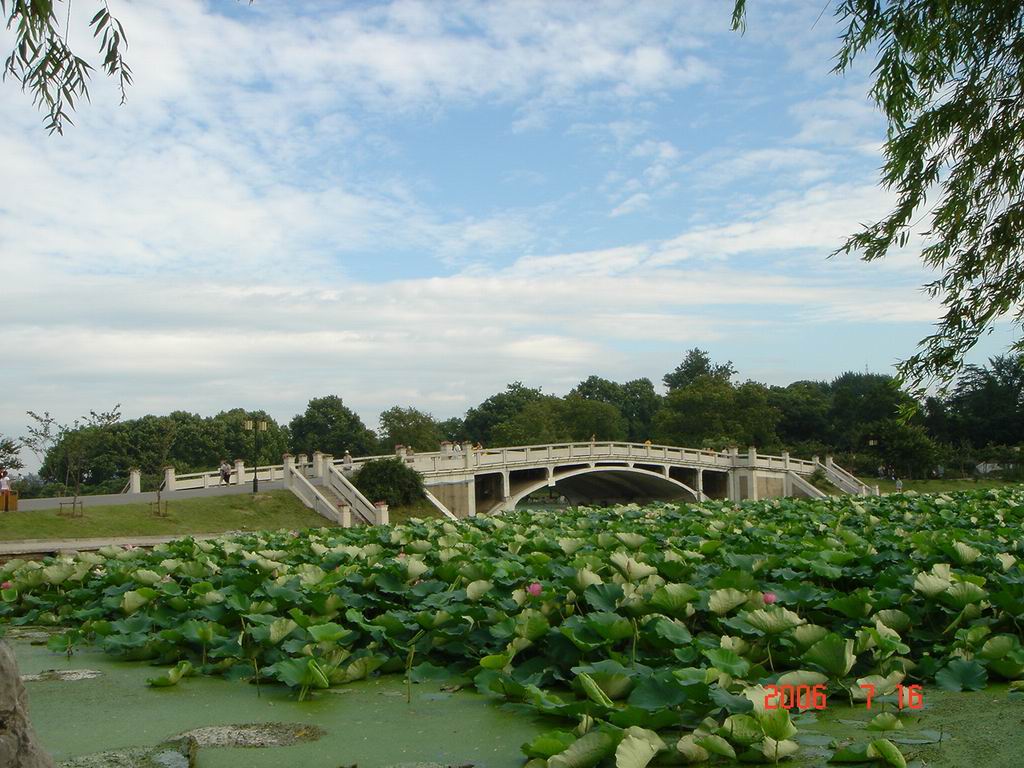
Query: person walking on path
[[5, 488], [225, 472]]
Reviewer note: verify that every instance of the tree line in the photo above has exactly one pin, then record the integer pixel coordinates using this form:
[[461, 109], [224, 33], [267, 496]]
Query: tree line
[[857, 417]]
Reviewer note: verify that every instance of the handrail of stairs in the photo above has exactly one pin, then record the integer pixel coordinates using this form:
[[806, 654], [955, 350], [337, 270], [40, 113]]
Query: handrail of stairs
[[805, 487], [311, 497], [352, 495], [440, 507]]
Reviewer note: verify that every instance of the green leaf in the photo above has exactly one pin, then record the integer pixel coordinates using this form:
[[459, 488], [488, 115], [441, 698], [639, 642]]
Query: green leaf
[[962, 675], [690, 751], [728, 661], [886, 721], [772, 621], [593, 690], [741, 729], [716, 745], [280, 629], [634, 752], [548, 744], [774, 750], [833, 654], [889, 752], [171, 676], [673, 599], [477, 589], [722, 601], [775, 723], [585, 752]]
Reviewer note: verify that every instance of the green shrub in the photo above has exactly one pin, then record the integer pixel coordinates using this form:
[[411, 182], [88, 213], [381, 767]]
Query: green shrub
[[389, 480]]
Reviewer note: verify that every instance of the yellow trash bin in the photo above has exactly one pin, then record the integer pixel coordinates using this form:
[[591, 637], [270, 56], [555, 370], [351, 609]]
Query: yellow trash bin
[[9, 503]]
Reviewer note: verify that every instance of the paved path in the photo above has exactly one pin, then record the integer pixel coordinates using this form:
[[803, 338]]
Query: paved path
[[49, 546]]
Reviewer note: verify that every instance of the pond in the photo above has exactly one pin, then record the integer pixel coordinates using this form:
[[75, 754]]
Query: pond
[[370, 723]]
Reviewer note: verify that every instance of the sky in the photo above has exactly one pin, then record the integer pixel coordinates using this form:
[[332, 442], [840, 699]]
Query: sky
[[415, 203]]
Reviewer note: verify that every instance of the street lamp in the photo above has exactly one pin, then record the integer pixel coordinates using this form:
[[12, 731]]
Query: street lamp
[[255, 427]]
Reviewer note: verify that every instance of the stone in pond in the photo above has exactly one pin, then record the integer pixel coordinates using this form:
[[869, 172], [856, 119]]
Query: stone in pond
[[179, 752], [18, 747], [255, 734], [61, 675]]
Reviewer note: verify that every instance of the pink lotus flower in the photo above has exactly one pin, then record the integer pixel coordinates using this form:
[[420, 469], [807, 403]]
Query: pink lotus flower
[[534, 588], [769, 597], [6, 585]]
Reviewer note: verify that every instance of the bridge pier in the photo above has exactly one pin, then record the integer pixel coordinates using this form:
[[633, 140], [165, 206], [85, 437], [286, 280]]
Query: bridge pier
[[458, 497]]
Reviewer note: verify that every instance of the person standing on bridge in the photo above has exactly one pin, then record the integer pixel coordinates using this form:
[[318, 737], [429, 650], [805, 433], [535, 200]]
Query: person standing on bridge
[[225, 472], [5, 488], [346, 461]]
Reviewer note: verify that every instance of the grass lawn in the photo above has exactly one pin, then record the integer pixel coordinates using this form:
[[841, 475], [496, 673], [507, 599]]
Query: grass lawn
[[939, 485], [421, 509], [267, 511]]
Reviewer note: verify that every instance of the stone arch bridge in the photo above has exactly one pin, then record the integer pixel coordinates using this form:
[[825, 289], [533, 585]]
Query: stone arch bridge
[[463, 482]]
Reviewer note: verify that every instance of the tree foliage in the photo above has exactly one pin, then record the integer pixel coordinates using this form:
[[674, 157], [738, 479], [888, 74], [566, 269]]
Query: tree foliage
[[328, 425], [10, 458], [695, 365], [390, 480], [948, 77], [411, 427], [46, 66]]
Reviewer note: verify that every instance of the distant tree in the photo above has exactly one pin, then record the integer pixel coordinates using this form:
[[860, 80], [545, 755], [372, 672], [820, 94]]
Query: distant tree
[[409, 426], [907, 448], [328, 425], [389, 480], [558, 420], [696, 364], [861, 402], [453, 429], [987, 403], [804, 412], [9, 454], [80, 452], [710, 412], [482, 420], [636, 400], [947, 77]]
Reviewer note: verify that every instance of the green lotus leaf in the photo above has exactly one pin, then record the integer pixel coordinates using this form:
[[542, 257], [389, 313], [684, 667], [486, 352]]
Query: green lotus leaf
[[854, 753], [998, 646], [147, 577], [833, 654], [690, 751], [171, 676], [775, 723], [962, 675], [802, 677], [1006, 560], [570, 546], [728, 661], [593, 690], [722, 601], [930, 585], [965, 554], [774, 750], [477, 589], [133, 600], [58, 573], [635, 752], [888, 751], [886, 721], [674, 599], [631, 540], [548, 744], [280, 629], [586, 578], [330, 633], [881, 686], [741, 729], [893, 618], [716, 745], [807, 635], [585, 752], [632, 570], [963, 593], [772, 621], [309, 574]]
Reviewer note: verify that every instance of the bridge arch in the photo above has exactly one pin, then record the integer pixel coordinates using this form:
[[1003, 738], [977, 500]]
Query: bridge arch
[[605, 481]]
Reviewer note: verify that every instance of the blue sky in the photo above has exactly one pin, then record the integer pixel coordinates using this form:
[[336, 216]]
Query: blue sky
[[417, 202]]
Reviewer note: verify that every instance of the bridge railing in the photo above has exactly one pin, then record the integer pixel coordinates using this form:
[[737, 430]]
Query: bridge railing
[[452, 462]]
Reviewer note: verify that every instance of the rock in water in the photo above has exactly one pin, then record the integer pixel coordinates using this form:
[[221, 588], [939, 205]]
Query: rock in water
[[19, 747]]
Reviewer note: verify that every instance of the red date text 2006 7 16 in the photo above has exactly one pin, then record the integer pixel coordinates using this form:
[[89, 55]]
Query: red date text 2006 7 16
[[813, 696]]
